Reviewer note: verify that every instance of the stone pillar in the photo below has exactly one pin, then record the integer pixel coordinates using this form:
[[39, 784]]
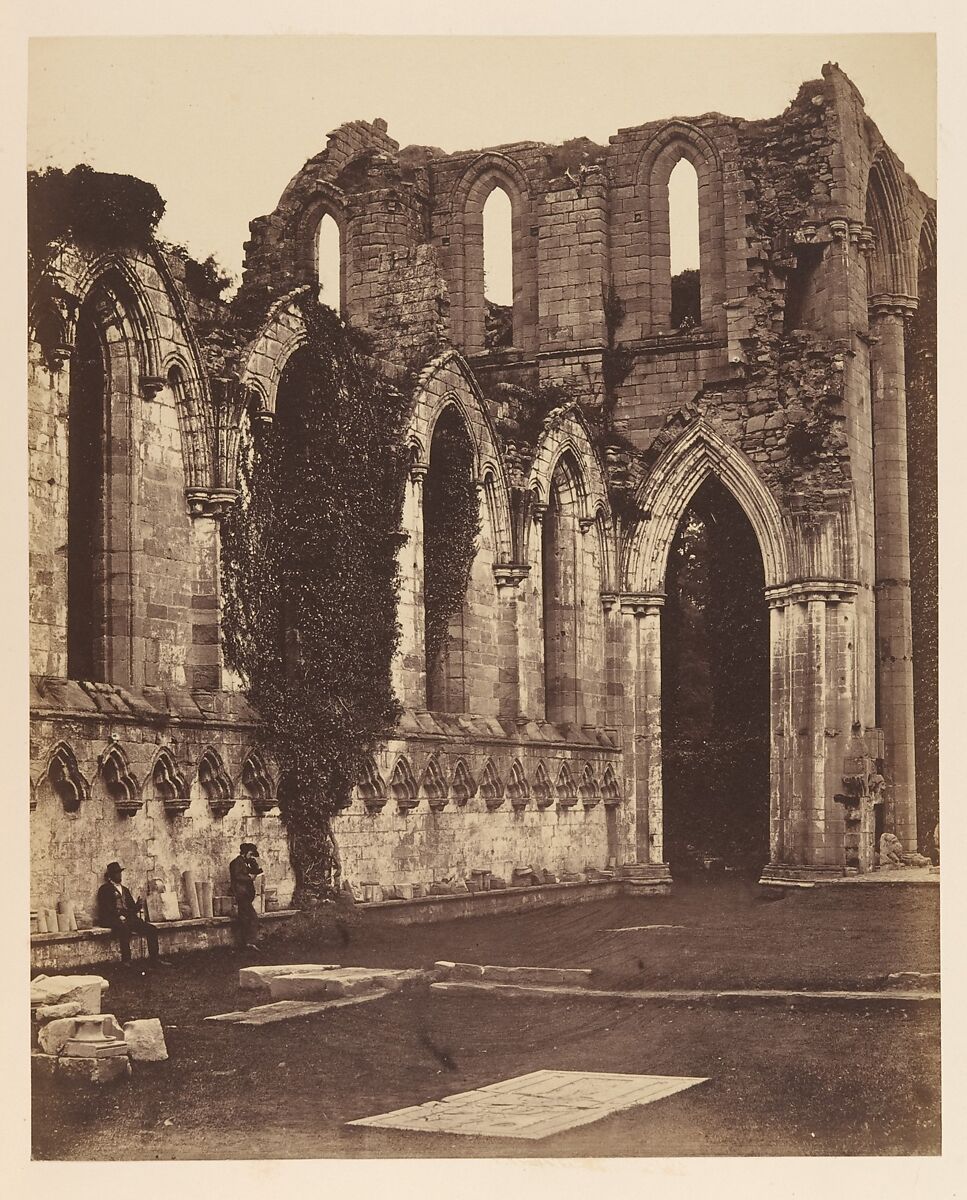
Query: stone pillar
[[408, 671], [812, 715], [894, 627], [508, 578], [642, 613]]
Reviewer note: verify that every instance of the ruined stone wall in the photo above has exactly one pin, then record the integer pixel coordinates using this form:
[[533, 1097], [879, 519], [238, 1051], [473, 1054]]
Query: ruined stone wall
[[129, 819], [771, 392]]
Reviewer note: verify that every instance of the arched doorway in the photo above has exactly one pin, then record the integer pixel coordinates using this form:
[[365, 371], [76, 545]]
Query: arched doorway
[[715, 689]]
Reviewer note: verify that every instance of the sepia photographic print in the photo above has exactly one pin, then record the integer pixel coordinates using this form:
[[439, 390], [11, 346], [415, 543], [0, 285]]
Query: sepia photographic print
[[483, 597]]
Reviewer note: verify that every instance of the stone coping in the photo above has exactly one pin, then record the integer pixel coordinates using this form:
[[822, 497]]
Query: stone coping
[[101, 931], [491, 894]]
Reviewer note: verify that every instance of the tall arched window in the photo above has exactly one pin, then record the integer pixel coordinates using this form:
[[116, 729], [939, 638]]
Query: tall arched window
[[86, 445], [450, 524], [683, 234], [329, 263], [559, 562], [498, 264]]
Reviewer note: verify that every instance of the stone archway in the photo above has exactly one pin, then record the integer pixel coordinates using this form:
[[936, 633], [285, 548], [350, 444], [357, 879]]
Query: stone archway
[[715, 690]]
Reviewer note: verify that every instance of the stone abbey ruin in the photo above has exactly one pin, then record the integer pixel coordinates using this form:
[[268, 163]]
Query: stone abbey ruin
[[689, 621]]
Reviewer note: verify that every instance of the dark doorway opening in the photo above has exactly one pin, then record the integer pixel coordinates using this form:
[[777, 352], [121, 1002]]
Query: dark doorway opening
[[715, 691]]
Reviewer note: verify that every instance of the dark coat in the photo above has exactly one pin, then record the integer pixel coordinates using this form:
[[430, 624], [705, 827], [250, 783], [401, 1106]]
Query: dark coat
[[112, 909], [242, 872]]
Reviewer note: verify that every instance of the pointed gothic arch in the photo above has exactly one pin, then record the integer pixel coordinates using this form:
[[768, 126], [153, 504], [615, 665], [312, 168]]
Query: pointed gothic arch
[[63, 778], [403, 786], [675, 478], [433, 785], [487, 172], [491, 786], [463, 786], [567, 792], [168, 783], [257, 783], [659, 156], [214, 782], [518, 789], [588, 788], [543, 788], [892, 262], [610, 789], [370, 788], [118, 781]]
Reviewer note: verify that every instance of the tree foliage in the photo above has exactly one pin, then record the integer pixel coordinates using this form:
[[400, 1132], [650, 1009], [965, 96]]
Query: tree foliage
[[311, 580], [109, 212]]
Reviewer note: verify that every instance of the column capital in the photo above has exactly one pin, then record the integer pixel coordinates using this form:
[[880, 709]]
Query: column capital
[[641, 603], [805, 590], [418, 471], [151, 385], [510, 574], [210, 502], [885, 304]]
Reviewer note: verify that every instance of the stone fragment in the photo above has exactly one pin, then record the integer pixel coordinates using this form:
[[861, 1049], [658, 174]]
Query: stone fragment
[[95, 1035], [53, 1012], [83, 1070], [465, 971], [62, 989], [145, 1040], [286, 1010], [53, 1036], [253, 978]]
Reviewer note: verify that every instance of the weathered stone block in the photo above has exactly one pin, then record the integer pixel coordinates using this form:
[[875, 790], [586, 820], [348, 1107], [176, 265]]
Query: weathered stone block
[[253, 978], [84, 990], [145, 1040]]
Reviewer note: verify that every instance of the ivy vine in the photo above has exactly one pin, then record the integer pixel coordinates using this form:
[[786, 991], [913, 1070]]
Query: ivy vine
[[451, 525], [311, 580]]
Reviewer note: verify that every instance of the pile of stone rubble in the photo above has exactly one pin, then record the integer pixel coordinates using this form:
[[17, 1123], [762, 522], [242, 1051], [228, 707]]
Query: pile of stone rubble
[[73, 1039]]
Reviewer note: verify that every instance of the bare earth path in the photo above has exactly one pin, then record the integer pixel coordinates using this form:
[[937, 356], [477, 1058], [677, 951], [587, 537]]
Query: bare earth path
[[781, 1080]]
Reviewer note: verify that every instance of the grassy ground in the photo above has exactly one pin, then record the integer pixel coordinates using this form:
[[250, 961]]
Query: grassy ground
[[780, 1081]]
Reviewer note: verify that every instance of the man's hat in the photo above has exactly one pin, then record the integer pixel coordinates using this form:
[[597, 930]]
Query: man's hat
[[248, 846], [112, 865]]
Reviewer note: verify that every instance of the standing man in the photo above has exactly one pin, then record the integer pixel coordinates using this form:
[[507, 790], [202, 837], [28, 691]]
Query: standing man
[[120, 912], [242, 873]]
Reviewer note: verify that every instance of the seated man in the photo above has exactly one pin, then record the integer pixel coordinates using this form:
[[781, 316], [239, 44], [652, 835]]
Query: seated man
[[118, 910]]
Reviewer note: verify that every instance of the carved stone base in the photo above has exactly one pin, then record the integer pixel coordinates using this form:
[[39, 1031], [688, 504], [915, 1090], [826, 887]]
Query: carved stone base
[[645, 879], [780, 873]]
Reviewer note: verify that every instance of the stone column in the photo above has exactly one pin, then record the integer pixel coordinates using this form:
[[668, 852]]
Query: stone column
[[812, 715], [508, 578], [642, 640], [894, 628], [409, 663]]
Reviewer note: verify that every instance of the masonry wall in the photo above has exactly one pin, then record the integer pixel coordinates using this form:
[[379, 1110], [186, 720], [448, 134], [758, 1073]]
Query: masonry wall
[[771, 392]]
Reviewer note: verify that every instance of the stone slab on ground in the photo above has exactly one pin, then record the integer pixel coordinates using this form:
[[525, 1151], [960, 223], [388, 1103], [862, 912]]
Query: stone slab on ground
[[699, 996], [344, 981], [253, 978], [533, 1106], [82, 1070], [924, 875], [286, 1010], [146, 1040], [640, 928], [85, 990]]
